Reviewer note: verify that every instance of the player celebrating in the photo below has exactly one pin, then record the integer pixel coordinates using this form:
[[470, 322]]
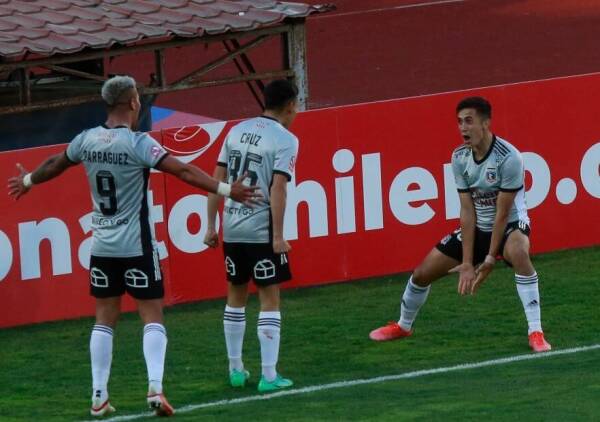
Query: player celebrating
[[253, 240], [489, 176], [124, 258]]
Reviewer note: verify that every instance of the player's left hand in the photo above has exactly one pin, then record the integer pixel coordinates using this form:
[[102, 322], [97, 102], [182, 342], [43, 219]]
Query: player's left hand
[[281, 245], [481, 273], [16, 188]]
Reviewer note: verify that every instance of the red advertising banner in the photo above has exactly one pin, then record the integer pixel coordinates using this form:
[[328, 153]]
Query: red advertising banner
[[373, 192]]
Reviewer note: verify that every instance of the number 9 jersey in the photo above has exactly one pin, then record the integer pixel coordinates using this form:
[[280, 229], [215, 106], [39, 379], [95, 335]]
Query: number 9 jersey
[[117, 162], [259, 147]]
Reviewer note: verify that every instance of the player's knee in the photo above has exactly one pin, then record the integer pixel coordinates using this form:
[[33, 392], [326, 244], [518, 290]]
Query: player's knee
[[269, 298], [150, 311], [519, 257], [269, 304], [237, 297], [420, 278], [109, 319]]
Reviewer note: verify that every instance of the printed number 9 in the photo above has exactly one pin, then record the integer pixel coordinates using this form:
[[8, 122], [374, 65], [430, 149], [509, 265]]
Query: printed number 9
[[105, 184]]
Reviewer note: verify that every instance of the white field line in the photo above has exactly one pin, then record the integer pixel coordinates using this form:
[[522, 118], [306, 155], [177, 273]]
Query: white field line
[[375, 380], [385, 9]]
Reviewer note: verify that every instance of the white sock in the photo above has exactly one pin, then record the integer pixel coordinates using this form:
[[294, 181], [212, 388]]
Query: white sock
[[527, 287], [413, 298], [101, 346], [269, 328], [155, 349], [234, 325]]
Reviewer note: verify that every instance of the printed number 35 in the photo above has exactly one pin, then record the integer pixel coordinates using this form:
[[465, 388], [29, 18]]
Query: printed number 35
[[235, 164]]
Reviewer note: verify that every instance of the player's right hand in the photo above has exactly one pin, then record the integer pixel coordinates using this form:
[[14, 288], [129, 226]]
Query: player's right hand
[[247, 195], [466, 277], [16, 188], [211, 239]]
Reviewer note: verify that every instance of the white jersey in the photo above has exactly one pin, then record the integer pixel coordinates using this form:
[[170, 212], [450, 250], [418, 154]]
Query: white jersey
[[260, 147], [117, 162], [501, 170]]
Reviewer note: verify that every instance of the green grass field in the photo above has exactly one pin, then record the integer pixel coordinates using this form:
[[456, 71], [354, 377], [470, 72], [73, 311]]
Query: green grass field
[[45, 372]]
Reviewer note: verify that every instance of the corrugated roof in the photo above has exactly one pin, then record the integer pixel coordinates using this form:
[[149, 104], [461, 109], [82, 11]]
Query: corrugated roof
[[47, 27]]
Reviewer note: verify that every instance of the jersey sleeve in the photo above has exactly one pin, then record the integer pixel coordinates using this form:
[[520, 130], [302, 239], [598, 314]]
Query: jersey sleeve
[[285, 157], [73, 151], [457, 170], [148, 151], [512, 173], [223, 158]]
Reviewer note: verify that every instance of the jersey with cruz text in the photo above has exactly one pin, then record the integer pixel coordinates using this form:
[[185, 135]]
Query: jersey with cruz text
[[117, 162], [260, 147], [500, 170]]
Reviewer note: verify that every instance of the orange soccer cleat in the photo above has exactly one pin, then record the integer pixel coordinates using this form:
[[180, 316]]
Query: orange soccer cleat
[[538, 343], [160, 405], [100, 409], [391, 331]]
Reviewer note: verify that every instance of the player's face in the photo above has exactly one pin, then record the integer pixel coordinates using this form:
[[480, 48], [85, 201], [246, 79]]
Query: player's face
[[472, 127]]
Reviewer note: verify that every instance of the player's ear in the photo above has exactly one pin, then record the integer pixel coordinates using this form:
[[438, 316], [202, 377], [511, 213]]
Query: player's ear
[[291, 106], [486, 123]]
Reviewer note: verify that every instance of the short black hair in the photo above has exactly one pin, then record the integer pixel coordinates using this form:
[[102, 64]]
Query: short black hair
[[480, 104], [279, 93]]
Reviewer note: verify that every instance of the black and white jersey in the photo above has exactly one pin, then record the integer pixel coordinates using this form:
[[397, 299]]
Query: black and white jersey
[[500, 170], [117, 162], [260, 147]]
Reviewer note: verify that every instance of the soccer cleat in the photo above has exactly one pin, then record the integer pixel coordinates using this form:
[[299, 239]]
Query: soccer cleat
[[279, 383], [101, 409], [538, 343], [160, 405], [391, 331], [238, 378]]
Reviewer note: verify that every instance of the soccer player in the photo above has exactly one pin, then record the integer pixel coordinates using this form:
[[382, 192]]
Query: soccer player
[[253, 241], [124, 258], [489, 176]]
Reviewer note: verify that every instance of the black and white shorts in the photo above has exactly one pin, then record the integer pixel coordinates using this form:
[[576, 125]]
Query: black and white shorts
[[140, 276], [257, 261], [451, 245]]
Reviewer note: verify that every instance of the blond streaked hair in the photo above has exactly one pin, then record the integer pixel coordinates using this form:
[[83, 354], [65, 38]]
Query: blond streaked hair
[[115, 87]]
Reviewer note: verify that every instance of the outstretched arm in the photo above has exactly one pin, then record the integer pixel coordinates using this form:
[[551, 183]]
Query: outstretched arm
[[48, 170], [194, 176], [189, 174]]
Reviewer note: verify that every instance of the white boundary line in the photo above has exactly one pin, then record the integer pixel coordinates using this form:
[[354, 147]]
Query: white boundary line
[[385, 9], [341, 384]]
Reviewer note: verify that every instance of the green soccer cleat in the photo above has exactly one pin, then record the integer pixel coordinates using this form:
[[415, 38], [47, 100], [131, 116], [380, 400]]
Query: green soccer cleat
[[238, 378], [279, 383]]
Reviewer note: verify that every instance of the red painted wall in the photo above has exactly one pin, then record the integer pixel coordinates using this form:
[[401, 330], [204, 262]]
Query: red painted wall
[[369, 197]]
